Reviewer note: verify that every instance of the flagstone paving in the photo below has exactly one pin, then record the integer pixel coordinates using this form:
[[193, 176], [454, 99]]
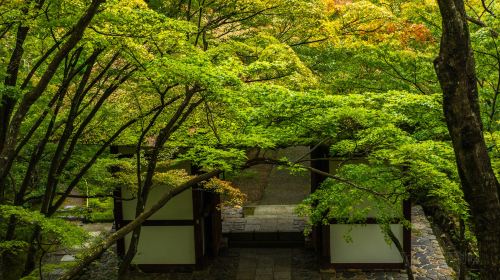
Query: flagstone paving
[[428, 261], [265, 218]]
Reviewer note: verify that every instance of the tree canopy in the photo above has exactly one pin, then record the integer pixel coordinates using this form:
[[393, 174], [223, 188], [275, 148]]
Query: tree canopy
[[206, 81]]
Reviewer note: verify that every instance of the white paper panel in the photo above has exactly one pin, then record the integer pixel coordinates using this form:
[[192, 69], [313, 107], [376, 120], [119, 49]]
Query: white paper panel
[[165, 245], [368, 244], [178, 208]]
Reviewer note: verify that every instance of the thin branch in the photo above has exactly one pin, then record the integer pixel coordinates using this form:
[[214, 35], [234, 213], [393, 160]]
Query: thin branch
[[116, 34], [89, 164], [211, 122], [311, 150], [487, 8], [414, 83], [7, 28], [267, 78], [481, 23], [256, 161], [100, 247], [309, 42]]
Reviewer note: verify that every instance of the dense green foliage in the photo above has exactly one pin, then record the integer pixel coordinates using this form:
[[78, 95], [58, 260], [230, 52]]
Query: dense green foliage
[[217, 78]]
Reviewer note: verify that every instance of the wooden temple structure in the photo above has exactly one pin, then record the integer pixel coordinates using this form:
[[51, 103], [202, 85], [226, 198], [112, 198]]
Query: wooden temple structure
[[186, 233]]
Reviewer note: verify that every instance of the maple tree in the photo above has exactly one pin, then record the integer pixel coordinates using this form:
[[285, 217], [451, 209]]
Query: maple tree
[[205, 81]]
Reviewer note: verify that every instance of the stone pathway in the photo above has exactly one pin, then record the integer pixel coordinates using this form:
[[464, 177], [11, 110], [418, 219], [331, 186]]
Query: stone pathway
[[105, 268], [428, 260], [295, 264], [95, 231], [264, 264], [265, 218]]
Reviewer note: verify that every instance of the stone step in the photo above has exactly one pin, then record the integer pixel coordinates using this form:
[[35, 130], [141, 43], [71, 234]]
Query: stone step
[[274, 239], [272, 216], [270, 210]]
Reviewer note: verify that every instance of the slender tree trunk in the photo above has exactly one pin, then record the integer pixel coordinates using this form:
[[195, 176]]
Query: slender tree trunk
[[140, 197], [29, 98], [395, 241], [77, 178], [34, 159], [462, 266], [62, 160], [455, 68], [9, 133], [143, 191], [30, 263], [7, 102]]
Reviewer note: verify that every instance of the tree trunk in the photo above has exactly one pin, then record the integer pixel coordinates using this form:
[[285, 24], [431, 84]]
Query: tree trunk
[[96, 251], [30, 262], [7, 103], [28, 99], [455, 68], [409, 273], [462, 265], [143, 191]]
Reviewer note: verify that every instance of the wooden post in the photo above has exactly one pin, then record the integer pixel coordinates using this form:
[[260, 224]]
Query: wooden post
[[320, 234]]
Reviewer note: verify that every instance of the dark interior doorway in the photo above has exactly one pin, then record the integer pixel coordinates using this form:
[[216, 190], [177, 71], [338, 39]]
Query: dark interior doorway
[[268, 219]]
